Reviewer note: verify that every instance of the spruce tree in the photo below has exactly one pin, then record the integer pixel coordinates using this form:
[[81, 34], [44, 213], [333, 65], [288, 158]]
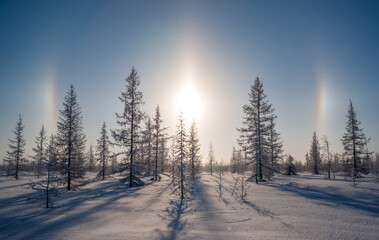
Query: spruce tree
[[71, 141], [233, 161], [163, 154], [194, 151], [315, 155], [367, 158], [275, 145], [308, 162], [173, 160], [50, 188], [103, 151], [91, 159], [376, 167], [52, 181], [211, 158], [40, 150], [354, 142], [327, 155], [181, 136], [256, 130], [336, 164], [158, 135], [239, 161], [290, 168], [129, 135], [114, 164], [236, 161], [148, 145], [16, 151], [242, 142]]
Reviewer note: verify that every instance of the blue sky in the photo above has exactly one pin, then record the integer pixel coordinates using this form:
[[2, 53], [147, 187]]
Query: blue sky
[[312, 56]]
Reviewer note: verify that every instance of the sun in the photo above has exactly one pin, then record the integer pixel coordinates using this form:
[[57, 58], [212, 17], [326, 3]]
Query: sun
[[189, 103]]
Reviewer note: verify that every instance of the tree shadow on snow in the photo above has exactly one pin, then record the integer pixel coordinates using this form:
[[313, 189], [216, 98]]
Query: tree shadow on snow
[[260, 211], [176, 225], [42, 223], [314, 177], [331, 197], [204, 199], [15, 185], [266, 213]]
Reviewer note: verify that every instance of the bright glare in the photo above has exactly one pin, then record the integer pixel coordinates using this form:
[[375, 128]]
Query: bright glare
[[189, 103]]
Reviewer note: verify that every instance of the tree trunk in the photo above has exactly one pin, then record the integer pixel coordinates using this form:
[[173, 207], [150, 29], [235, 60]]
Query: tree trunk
[[47, 186], [156, 161], [103, 168], [181, 165]]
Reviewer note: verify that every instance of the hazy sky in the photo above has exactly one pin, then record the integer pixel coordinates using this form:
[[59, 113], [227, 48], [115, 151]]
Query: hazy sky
[[312, 56]]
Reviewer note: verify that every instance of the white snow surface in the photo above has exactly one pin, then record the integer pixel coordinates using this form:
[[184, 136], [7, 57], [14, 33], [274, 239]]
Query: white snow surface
[[288, 207]]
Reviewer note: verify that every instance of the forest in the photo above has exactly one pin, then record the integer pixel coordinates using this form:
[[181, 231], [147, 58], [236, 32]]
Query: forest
[[141, 155], [207, 119]]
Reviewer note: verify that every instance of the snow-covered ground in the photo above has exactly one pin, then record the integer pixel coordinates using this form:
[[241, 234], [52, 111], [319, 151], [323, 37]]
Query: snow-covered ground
[[289, 207]]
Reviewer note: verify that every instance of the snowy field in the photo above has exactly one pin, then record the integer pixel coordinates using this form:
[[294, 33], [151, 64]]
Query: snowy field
[[295, 207]]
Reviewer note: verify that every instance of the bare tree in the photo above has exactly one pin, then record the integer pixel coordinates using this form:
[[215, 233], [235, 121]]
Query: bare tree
[[240, 187], [16, 150], [40, 150], [128, 136]]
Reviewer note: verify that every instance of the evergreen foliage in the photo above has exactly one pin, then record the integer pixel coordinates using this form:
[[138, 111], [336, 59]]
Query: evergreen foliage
[[40, 150], [290, 168], [15, 154], [128, 136], [103, 151], [315, 155], [71, 141], [91, 159], [354, 142], [194, 151], [49, 188], [158, 138], [258, 132], [179, 177], [327, 155], [211, 158]]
